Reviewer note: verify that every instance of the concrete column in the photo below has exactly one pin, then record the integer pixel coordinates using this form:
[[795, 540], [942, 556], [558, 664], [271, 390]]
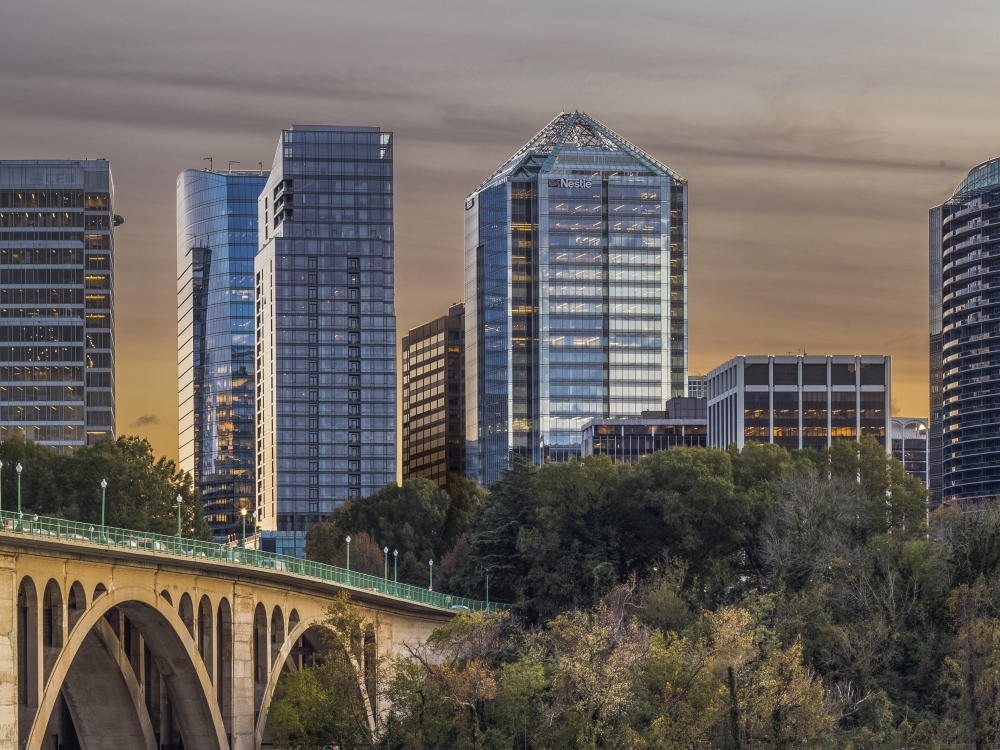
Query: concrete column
[[243, 668], [8, 653]]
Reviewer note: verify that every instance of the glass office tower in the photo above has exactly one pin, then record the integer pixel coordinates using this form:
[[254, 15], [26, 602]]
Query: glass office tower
[[216, 244], [576, 293], [326, 329], [965, 339], [57, 345]]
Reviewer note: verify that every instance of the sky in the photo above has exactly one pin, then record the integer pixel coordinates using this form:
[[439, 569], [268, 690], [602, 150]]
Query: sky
[[814, 137]]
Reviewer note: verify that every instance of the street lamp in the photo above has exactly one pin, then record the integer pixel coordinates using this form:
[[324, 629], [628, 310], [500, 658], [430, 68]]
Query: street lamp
[[395, 566], [178, 516], [385, 563], [104, 487], [243, 514], [431, 587], [348, 553], [18, 467], [487, 591], [1, 485]]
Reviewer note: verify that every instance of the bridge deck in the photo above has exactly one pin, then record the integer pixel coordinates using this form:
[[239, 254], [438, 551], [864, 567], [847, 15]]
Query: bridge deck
[[30, 530]]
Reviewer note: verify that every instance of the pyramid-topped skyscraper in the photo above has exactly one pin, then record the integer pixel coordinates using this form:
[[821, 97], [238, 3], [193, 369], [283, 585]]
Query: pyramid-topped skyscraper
[[576, 293]]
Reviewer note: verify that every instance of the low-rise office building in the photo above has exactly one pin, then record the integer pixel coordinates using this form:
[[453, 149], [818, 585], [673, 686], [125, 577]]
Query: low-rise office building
[[627, 439], [799, 401]]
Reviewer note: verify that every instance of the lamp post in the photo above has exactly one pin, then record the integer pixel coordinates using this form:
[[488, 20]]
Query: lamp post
[[18, 467], [431, 587], [243, 515], [395, 566], [178, 517], [385, 563], [1, 485], [348, 553], [487, 591], [104, 487]]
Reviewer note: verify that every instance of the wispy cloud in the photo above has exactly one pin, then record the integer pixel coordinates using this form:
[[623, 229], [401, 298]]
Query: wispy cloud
[[145, 420]]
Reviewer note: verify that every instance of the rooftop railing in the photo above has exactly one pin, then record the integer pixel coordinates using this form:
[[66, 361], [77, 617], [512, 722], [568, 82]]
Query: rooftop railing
[[107, 536]]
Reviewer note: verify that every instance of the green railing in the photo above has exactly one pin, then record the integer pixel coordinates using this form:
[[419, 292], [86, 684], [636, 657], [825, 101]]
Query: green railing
[[107, 536]]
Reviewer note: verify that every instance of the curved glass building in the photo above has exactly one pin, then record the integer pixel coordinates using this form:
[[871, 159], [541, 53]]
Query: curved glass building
[[576, 293], [965, 339], [216, 244]]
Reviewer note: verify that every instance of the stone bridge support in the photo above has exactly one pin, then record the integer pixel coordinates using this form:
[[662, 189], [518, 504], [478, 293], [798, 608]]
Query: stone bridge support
[[112, 648]]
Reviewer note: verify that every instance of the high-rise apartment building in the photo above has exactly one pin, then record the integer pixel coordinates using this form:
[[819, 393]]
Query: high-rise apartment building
[[433, 431], [326, 328], [799, 401], [57, 347], [964, 337], [576, 293], [216, 245], [909, 446]]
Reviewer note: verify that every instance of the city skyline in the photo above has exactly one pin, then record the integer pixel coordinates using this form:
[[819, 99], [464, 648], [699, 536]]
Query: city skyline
[[806, 138]]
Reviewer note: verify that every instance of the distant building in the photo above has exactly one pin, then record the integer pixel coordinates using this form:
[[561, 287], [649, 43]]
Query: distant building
[[698, 386], [576, 293], [910, 446], [326, 328], [433, 430], [799, 401], [57, 338], [216, 245], [626, 439]]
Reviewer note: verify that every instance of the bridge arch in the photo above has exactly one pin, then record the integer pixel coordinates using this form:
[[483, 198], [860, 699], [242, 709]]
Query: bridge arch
[[172, 648], [286, 648]]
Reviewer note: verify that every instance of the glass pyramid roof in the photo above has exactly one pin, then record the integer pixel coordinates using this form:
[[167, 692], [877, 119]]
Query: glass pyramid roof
[[577, 137]]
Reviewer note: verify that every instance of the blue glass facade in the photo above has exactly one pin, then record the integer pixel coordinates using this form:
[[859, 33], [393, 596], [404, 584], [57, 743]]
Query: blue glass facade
[[576, 293], [326, 329], [965, 339], [216, 244]]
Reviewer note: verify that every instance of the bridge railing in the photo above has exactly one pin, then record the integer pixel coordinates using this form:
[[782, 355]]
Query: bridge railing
[[108, 536]]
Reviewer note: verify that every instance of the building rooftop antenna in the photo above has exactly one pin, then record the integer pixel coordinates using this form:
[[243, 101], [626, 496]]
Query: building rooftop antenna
[[209, 160], [261, 165]]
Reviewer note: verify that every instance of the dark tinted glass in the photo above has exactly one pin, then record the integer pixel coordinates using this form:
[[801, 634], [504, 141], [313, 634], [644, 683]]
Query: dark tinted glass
[[872, 374], [842, 374], [755, 375], [786, 374], [814, 374]]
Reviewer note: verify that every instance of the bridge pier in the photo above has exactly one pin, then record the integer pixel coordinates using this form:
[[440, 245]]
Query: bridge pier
[[244, 609]]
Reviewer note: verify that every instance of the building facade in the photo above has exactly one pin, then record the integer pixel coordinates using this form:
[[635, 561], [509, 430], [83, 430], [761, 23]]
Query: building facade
[[216, 245], [326, 328], [799, 401], [698, 386], [964, 307], [433, 430], [910, 446], [57, 324], [576, 293], [683, 422]]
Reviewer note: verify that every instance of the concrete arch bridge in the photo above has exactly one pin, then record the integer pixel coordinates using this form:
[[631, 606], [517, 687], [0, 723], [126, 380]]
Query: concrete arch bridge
[[115, 639]]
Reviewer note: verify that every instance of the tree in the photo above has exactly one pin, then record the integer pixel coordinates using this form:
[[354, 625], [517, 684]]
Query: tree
[[408, 517], [141, 489], [345, 697]]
